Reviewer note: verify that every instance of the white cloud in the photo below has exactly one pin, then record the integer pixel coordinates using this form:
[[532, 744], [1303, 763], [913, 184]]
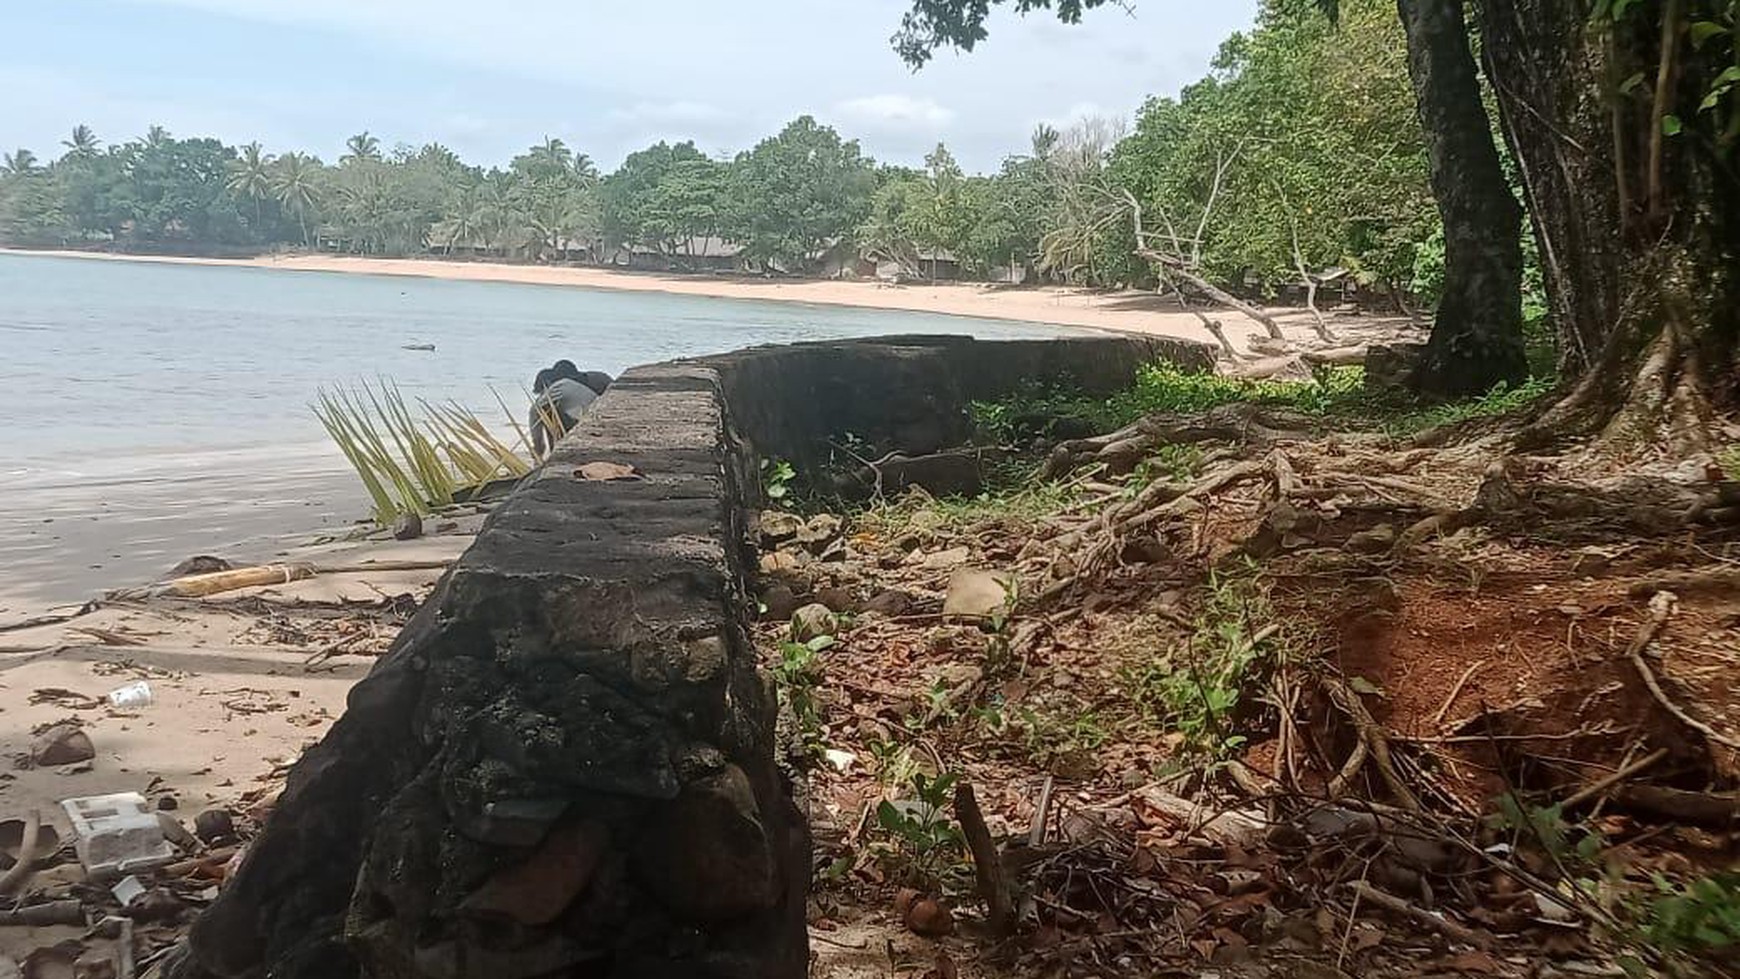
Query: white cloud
[[896, 111]]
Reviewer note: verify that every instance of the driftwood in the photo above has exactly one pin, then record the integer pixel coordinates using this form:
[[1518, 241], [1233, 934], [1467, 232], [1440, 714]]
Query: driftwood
[[68, 912], [217, 582]]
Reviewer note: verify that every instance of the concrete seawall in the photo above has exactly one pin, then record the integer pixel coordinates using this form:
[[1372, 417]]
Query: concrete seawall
[[565, 764]]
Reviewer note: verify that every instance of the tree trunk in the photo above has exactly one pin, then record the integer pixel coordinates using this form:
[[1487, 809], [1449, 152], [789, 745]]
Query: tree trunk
[[1643, 275], [1476, 341]]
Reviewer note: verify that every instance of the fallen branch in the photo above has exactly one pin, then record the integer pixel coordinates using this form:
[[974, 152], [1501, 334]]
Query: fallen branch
[[987, 867], [68, 912], [1444, 926], [1660, 608], [1456, 691], [1376, 740], [1600, 788]]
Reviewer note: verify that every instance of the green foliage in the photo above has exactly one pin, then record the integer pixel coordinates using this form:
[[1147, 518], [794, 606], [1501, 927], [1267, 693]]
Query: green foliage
[[798, 673], [1198, 688], [928, 844], [776, 479], [412, 463], [797, 193], [1699, 918]]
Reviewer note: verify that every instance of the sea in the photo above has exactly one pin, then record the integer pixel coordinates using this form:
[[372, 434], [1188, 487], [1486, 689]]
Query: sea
[[151, 411]]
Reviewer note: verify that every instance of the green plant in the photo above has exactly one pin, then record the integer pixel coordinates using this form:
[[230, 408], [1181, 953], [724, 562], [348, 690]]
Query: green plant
[[776, 479], [797, 676], [1701, 917], [1198, 687], [411, 463], [927, 843]]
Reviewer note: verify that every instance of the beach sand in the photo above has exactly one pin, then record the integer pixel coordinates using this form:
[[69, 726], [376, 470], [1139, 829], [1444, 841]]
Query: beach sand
[[1128, 311], [237, 699]]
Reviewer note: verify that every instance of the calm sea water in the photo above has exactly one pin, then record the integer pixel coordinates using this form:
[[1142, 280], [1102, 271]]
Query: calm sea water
[[171, 401]]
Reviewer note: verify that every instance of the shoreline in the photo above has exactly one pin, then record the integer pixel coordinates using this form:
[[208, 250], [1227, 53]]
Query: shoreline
[[1126, 311]]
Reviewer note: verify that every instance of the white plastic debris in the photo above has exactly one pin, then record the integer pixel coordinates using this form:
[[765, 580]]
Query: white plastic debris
[[132, 695], [116, 835], [127, 890]]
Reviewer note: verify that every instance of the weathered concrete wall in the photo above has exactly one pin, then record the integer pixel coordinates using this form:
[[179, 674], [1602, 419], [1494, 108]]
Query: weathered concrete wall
[[913, 392], [565, 764]]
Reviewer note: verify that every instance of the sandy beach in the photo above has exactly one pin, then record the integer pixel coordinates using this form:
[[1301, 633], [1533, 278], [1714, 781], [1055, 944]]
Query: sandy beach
[[1129, 311]]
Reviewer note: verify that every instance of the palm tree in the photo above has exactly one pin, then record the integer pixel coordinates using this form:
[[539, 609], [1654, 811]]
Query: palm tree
[[19, 163], [83, 143], [361, 147], [296, 181], [251, 178], [156, 136]]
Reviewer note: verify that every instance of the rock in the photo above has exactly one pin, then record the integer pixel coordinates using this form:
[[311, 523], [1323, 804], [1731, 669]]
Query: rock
[[928, 918], [1378, 540], [407, 526], [63, 744], [214, 825], [779, 602], [708, 855], [538, 890], [891, 603], [975, 593], [837, 598], [812, 621], [823, 529], [782, 562], [168, 803], [954, 557], [778, 526], [1390, 367], [199, 564], [942, 474]]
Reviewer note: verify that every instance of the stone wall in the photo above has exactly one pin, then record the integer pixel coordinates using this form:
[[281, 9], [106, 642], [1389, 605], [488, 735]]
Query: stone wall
[[565, 764], [912, 393]]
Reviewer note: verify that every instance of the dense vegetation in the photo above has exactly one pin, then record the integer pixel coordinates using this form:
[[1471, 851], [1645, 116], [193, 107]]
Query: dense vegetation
[[1299, 152]]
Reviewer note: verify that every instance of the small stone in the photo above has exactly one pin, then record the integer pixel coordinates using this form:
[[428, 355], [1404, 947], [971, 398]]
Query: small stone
[[822, 529], [168, 803], [891, 603], [408, 526], [779, 603], [812, 621], [928, 918], [1378, 540], [782, 562], [975, 593], [954, 557], [214, 825], [63, 744], [778, 526], [538, 890], [837, 598]]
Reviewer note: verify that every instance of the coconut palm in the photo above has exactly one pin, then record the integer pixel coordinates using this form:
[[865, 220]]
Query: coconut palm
[[296, 182], [251, 178], [19, 163], [361, 147], [156, 136], [83, 143]]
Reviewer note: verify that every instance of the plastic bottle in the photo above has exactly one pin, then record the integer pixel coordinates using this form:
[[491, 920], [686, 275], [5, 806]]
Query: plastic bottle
[[132, 695]]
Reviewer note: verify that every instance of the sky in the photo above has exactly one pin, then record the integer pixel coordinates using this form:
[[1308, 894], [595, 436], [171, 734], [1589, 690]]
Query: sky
[[606, 76]]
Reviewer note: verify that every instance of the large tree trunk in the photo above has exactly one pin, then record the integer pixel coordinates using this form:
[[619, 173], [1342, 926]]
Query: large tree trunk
[[1639, 233], [1476, 341]]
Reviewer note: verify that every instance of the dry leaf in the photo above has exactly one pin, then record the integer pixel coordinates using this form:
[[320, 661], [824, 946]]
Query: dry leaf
[[603, 472]]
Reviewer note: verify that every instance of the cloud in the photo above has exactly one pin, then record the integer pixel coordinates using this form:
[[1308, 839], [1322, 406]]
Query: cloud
[[896, 112]]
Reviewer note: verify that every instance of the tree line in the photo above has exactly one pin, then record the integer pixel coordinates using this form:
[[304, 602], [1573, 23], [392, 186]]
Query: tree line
[[1297, 154], [1608, 129]]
